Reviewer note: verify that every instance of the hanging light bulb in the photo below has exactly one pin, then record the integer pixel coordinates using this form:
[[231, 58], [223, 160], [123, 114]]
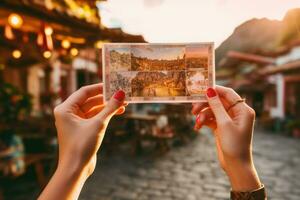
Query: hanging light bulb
[[16, 54], [15, 20], [8, 33], [47, 54], [99, 44], [65, 44], [74, 52], [48, 30], [44, 37], [48, 37]]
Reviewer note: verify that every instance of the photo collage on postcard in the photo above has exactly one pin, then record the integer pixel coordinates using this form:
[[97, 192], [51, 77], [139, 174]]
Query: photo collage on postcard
[[158, 72]]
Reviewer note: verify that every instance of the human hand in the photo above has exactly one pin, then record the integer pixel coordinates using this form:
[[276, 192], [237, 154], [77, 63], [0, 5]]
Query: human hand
[[81, 121], [232, 124]]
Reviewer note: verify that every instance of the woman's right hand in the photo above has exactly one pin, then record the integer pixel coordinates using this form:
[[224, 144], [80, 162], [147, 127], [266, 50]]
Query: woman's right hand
[[232, 124], [81, 121]]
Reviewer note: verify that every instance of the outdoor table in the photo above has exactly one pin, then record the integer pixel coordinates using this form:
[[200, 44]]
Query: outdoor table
[[141, 127], [142, 122], [141, 117]]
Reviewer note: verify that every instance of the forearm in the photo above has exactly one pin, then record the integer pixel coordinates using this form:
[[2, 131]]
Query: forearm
[[66, 184], [243, 177]]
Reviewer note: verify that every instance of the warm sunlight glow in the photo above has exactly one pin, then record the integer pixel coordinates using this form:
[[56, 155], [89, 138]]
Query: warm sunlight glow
[[188, 20]]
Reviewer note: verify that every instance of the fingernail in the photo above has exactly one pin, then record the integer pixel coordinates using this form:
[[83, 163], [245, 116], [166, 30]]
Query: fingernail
[[119, 95], [210, 92], [198, 120]]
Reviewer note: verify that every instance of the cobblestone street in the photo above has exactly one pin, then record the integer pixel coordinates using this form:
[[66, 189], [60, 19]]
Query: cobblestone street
[[192, 172]]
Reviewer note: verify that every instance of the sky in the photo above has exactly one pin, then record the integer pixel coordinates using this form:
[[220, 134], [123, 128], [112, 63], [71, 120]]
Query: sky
[[159, 52], [121, 50], [188, 20], [196, 51]]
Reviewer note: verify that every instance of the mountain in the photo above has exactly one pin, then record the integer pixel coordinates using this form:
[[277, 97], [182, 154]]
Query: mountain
[[291, 26], [250, 36], [262, 35]]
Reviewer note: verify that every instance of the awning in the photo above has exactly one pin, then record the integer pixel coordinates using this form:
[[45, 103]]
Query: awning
[[273, 69]]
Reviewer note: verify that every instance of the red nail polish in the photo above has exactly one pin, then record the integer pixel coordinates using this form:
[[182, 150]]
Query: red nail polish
[[210, 92], [119, 95], [198, 120]]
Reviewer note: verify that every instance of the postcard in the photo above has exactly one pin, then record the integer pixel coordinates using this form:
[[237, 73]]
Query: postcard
[[161, 73]]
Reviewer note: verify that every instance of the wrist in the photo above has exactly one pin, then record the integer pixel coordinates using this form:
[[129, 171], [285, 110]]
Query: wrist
[[70, 171], [72, 167], [66, 183], [243, 176]]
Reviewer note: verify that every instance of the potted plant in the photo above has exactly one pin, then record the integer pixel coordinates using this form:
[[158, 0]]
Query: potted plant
[[14, 105]]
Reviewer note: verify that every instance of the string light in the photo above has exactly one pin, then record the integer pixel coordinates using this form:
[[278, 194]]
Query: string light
[[65, 44], [16, 54], [48, 30], [8, 33], [74, 52], [47, 54], [99, 44], [15, 20]]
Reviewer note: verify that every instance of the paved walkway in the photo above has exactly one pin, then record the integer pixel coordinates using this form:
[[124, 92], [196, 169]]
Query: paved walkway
[[192, 172]]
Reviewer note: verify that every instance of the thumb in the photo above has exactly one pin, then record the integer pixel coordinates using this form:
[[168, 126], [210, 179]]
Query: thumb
[[112, 106], [216, 106]]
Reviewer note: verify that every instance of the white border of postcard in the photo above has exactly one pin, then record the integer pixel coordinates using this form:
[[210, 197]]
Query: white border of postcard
[[132, 65]]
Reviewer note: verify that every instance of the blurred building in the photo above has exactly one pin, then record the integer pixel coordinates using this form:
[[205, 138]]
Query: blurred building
[[50, 48], [261, 61], [284, 75], [269, 81]]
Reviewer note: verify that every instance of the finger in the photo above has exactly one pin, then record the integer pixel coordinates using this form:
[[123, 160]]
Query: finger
[[217, 107], [246, 117], [200, 119], [91, 112], [92, 102], [242, 113], [121, 110], [209, 123], [112, 106], [230, 96], [204, 115], [205, 118], [94, 111], [197, 107], [81, 95]]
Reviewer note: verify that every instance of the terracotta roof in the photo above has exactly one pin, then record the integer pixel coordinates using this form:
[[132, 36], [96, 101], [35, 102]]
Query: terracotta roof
[[235, 56], [65, 21]]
